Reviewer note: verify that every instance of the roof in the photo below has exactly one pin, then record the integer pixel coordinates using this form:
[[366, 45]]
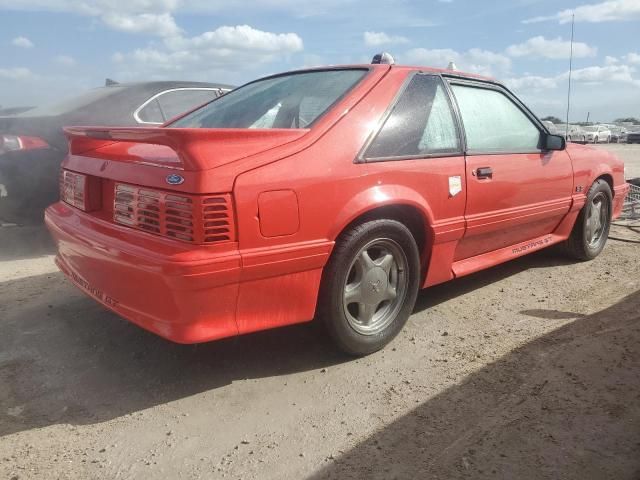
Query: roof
[[443, 71], [171, 84]]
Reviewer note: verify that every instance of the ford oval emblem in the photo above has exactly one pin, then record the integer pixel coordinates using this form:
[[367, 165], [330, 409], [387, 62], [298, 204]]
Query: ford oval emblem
[[175, 179]]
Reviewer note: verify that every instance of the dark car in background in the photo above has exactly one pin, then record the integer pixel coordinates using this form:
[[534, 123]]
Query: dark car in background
[[32, 144], [633, 134]]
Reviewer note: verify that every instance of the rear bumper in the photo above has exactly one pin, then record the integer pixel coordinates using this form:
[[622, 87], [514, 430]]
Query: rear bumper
[[182, 292], [183, 295]]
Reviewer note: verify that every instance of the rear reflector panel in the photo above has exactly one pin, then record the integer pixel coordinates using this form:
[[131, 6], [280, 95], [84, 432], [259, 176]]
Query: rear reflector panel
[[190, 218], [80, 191]]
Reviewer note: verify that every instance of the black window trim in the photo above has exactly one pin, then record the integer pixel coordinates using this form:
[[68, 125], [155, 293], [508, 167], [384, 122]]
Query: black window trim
[[498, 87], [361, 158]]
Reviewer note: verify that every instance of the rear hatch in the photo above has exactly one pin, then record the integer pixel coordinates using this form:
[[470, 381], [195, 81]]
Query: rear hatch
[[150, 179]]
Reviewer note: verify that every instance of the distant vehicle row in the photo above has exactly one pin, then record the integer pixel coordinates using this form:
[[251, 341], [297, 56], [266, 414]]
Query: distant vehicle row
[[594, 133]]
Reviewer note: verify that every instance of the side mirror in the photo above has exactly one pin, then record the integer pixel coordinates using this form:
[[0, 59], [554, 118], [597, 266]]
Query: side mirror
[[554, 142]]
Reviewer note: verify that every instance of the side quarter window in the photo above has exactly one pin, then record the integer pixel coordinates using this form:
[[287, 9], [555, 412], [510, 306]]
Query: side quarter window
[[493, 122], [420, 124]]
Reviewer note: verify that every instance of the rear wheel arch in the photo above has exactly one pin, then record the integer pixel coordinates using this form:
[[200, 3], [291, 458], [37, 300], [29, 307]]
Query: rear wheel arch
[[409, 215]]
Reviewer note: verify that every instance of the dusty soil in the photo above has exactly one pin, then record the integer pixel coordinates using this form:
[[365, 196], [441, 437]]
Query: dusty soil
[[527, 370]]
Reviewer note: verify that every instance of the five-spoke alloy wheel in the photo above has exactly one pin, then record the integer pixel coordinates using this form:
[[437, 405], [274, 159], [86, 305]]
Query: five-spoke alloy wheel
[[591, 229], [369, 286]]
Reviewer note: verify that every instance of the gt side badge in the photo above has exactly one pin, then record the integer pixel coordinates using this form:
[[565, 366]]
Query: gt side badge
[[455, 185]]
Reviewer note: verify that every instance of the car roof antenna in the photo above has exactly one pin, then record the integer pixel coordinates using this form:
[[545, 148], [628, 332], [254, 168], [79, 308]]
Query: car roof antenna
[[566, 133], [383, 58], [452, 66]]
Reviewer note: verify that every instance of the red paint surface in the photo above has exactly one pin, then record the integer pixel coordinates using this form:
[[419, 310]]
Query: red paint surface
[[292, 192]]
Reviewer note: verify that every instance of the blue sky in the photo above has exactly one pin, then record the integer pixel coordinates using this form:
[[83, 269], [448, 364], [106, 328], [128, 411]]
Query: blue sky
[[54, 48]]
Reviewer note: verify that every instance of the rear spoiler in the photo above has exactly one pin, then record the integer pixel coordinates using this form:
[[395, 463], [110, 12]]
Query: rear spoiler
[[196, 148]]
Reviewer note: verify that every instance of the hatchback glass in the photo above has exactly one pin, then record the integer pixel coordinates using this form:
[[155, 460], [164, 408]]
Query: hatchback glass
[[288, 101]]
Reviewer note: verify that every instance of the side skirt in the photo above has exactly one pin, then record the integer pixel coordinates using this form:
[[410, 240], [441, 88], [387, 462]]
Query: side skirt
[[480, 262]]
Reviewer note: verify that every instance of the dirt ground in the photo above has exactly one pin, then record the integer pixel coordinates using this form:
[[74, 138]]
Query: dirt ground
[[527, 370]]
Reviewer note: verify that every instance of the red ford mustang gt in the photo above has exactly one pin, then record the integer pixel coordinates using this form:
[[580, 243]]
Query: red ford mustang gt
[[333, 192]]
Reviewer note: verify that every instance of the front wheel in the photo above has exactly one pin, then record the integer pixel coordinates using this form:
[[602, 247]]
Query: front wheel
[[591, 229], [370, 285]]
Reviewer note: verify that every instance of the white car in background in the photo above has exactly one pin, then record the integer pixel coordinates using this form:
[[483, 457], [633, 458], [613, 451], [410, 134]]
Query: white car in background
[[597, 134]]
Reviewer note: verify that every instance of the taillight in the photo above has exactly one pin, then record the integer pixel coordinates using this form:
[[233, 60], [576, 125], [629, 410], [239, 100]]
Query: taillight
[[201, 219], [80, 191], [11, 143]]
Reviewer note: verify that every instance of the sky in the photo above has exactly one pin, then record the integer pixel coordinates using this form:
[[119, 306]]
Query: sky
[[51, 49]]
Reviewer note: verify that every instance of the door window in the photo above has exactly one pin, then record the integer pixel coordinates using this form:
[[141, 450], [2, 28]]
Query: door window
[[493, 123], [421, 123]]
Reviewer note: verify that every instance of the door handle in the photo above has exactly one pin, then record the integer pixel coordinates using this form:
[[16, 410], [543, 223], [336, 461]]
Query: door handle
[[484, 172]]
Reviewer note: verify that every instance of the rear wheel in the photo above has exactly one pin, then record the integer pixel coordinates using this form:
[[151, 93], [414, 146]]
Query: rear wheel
[[590, 232], [370, 285]]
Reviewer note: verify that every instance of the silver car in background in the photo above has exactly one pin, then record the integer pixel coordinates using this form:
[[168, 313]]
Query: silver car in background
[[574, 133], [598, 134]]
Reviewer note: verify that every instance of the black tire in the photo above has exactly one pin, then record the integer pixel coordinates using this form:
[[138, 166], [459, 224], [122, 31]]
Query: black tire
[[332, 304], [579, 244]]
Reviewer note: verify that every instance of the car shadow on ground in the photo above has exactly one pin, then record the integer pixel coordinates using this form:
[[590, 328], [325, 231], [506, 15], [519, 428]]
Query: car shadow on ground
[[66, 359], [565, 405], [443, 292], [19, 242]]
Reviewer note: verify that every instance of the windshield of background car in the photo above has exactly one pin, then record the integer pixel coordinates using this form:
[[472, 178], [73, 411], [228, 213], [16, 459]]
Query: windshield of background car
[[591, 129], [72, 103], [287, 101]]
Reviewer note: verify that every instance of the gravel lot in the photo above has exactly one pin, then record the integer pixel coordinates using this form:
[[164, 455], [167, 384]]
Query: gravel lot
[[528, 370]]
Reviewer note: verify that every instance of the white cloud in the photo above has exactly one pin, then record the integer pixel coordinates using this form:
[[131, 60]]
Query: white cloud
[[65, 60], [162, 24], [606, 74], [375, 39], [609, 11], [15, 73], [556, 48], [241, 37], [234, 48], [633, 58], [22, 42], [609, 60], [531, 82], [475, 60]]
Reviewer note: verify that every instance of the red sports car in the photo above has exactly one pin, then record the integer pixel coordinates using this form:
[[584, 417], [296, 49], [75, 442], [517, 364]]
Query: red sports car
[[333, 192]]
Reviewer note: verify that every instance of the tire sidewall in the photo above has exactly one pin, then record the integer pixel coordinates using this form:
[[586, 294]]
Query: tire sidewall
[[349, 339], [598, 187]]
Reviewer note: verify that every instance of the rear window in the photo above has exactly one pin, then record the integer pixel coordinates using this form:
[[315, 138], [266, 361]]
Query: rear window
[[287, 101]]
